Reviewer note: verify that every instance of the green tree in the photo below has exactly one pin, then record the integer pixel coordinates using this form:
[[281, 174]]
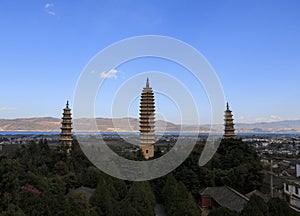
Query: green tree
[[56, 186], [71, 180], [141, 198], [102, 199], [255, 206], [92, 176], [35, 180], [13, 210], [10, 170], [78, 162], [235, 164], [121, 188], [278, 207], [125, 209], [183, 203], [177, 199], [157, 187], [31, 204], [189, 178], [79, 204], [223, 212], [54, 204], [168, 192], [60, 168], [38, 158]]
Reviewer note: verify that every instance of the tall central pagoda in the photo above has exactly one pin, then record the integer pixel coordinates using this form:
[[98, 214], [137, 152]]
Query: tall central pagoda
[[147, 121]]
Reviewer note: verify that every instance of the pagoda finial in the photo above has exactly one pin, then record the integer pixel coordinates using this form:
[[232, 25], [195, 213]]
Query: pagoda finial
[[227, 105], [67, 105], [147, 83]]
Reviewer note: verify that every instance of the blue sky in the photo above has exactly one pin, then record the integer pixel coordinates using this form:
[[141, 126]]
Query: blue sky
[[252, 45]]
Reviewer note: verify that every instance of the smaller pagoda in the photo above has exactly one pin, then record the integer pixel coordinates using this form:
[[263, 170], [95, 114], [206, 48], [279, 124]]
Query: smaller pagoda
[[229, 125], [66, 128]]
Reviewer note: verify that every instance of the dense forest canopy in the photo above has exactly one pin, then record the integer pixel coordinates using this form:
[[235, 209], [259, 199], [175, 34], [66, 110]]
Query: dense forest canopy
[[38, 180]]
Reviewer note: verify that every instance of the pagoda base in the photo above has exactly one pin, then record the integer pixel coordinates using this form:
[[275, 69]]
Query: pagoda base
[[148, 151]]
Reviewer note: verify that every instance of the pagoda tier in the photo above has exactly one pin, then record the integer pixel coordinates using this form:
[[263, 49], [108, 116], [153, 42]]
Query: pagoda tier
[[229, 131], [147, 121], [66, 128]]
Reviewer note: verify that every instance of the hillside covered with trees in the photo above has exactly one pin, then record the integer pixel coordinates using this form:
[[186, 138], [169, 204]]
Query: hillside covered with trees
[[38, 180]]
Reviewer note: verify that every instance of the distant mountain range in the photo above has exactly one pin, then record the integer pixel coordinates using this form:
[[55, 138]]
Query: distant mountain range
[[131, 124]]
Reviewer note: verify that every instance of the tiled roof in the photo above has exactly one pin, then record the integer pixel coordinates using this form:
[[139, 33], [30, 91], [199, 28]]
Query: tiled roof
[[226, 197], [277, 180], [265, 197]]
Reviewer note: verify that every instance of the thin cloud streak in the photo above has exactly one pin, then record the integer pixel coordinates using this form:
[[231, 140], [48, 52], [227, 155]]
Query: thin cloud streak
[[110, 74], [49, 9], [271, 118], [7, 108]]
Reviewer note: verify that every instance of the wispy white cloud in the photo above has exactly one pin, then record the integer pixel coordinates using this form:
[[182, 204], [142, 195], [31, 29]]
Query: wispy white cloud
[[6, 108], [110, 74], [269, 119], [47, 5], [49, 8], [242, 119], [51, 13]]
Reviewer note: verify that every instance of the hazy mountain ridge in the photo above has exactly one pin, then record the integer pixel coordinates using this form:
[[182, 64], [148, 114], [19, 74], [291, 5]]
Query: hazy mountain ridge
[[132, 124]]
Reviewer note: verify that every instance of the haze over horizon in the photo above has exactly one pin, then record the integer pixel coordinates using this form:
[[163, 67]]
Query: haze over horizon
[[46, 44], [99, 117]]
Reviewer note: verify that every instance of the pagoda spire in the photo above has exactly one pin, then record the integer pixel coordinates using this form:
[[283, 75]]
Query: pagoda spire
[[147, 121], [66, 128], [229, 131]]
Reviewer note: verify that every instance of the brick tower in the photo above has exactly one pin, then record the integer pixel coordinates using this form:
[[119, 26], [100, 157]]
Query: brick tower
[[147, 121], [66, 128], [229, 125]]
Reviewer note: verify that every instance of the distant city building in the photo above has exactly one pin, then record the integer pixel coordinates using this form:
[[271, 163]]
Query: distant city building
[[66, 128], [147, 121], [292, 192], [283, 187], [297, 170], [229, 125]]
